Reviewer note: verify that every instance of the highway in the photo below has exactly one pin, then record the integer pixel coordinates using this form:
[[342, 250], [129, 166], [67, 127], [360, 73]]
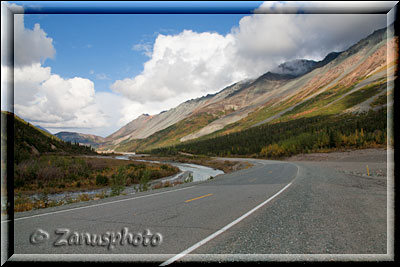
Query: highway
[[271, 211]]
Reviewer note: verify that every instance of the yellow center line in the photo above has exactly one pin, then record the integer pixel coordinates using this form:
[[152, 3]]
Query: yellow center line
[[197, 198]]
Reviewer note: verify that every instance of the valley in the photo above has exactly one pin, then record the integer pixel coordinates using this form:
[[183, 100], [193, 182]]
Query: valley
[[301, 106]]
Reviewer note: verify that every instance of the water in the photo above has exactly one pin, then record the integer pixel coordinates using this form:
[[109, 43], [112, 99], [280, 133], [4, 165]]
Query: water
[[122, 157], [200, 173]]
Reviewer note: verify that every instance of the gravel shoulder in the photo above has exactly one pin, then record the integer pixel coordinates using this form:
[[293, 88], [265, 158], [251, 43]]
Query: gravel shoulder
[[354, 162]]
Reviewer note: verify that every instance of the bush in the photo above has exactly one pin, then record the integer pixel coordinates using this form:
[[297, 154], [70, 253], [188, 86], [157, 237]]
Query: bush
[[164, 167], [101, 180], [83, 197], [19, 182], [118, 182]]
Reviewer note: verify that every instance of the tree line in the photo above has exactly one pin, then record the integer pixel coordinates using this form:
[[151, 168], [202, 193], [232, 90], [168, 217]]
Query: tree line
[[303, 135]]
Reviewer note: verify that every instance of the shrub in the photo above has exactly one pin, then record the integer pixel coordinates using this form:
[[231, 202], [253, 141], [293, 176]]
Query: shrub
[[83, 197], [118, 182], [101, 180], [19, 182], [164, 167]]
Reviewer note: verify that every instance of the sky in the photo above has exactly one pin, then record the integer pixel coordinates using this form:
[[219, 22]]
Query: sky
[[94, 73]]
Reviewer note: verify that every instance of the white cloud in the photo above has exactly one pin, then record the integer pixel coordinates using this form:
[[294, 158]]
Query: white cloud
[[191, 63], [30, 46], [282, 37], [41, 96], [145, 47]]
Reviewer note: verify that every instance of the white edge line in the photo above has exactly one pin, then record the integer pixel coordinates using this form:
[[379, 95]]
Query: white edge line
[[100, 204], [195, 246]]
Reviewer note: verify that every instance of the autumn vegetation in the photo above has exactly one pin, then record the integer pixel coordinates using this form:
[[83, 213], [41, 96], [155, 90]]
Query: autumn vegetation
[[44, 164], [321, 133]]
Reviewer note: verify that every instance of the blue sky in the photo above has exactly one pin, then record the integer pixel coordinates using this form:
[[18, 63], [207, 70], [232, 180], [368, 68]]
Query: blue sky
[[94, 73], [99, 47]]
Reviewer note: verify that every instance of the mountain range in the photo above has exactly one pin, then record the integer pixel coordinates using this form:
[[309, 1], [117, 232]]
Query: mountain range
[[354, 80], [83, 139]]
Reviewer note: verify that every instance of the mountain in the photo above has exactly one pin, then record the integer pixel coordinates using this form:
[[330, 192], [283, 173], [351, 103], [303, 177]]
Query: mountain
[[299, 67], [296, 67], [43, 129], [83, 139], [353, 80], [30, 141]]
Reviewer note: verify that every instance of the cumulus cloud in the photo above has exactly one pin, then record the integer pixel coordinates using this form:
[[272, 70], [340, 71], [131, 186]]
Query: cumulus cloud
[[194, 64], [282, 37], [184, 63], [30, 46], [41, 96]]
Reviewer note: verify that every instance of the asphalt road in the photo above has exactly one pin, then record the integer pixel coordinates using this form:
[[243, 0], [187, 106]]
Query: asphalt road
[[273, 210]]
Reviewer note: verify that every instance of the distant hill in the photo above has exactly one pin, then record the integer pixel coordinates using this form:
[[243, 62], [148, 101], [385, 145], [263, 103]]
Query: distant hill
[[83, 139], [30, 141], [43, 129]]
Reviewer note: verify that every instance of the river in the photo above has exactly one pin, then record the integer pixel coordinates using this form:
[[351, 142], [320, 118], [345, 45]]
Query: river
[[200, 173]]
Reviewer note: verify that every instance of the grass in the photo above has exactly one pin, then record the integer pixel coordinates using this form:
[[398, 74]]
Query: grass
[[354, 98], [381, 100], [24, 202], [40, 130], [320, 105]]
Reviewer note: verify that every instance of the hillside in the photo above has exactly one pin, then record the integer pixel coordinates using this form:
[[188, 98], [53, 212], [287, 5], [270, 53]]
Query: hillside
[[351, 81], [31, 142], [43, 164], [322, 133]]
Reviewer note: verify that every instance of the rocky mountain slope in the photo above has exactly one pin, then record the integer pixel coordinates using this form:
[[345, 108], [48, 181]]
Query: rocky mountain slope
[[351, 81]]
